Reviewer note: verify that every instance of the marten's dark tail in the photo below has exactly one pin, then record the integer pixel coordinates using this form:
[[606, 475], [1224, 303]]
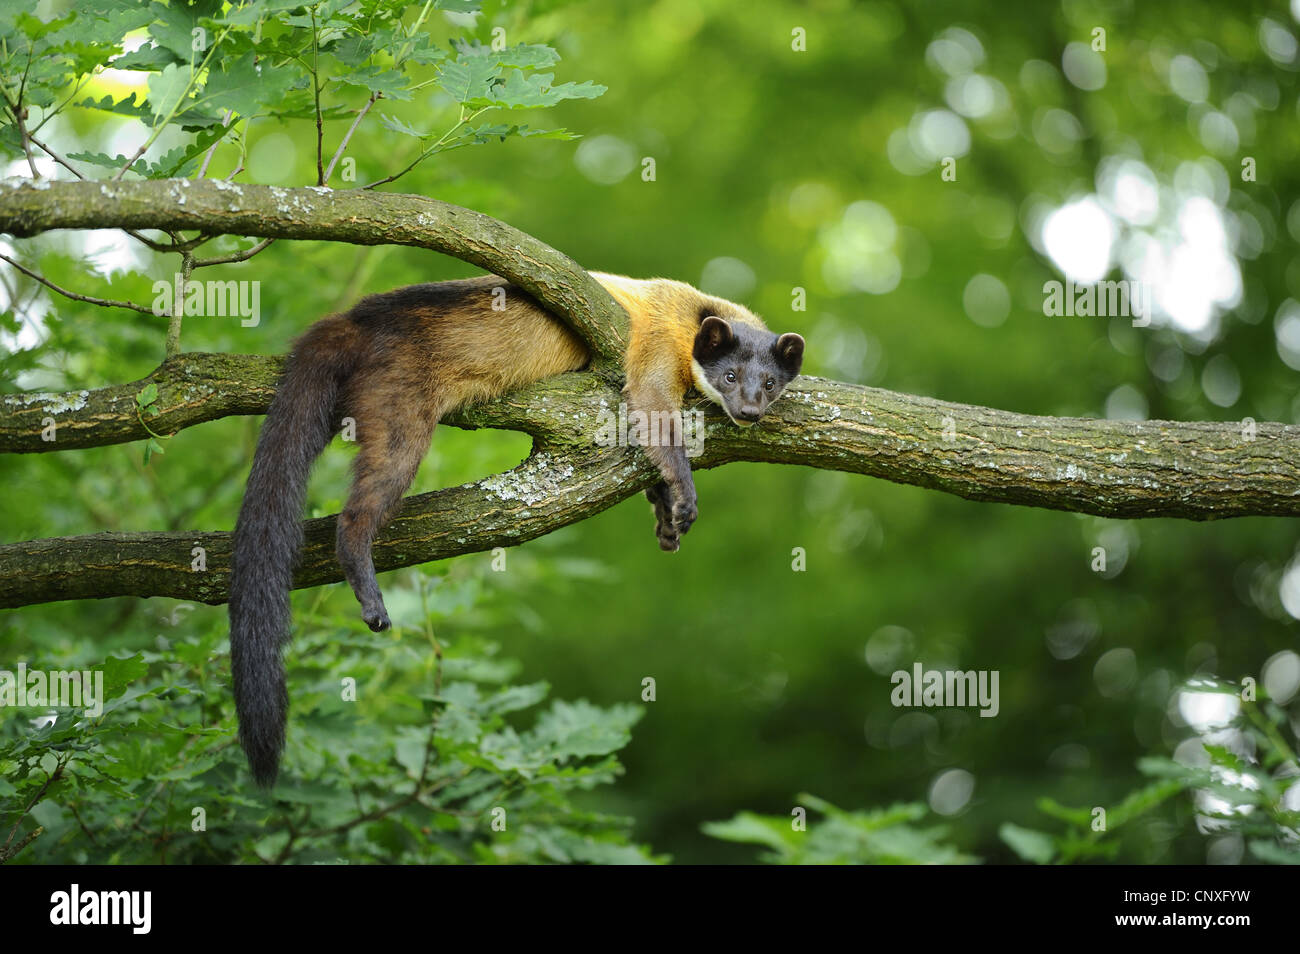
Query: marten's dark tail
[[268, 534]]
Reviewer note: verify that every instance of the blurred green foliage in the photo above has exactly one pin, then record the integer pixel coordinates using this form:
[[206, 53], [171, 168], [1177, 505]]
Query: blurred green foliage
[[450, 774], [879, 837], [768, 680]]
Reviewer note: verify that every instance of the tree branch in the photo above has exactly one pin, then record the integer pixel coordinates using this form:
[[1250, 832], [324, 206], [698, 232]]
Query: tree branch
[[192, 388], [1109, 468], [360, 217]]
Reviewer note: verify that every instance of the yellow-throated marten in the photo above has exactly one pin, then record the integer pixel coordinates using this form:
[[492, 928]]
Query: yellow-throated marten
[[396, 364]]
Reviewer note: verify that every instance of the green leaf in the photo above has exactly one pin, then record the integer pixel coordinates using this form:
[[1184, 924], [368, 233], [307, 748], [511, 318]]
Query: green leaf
[[410, 748], [148, 59], [534, 90], [1272, 853], [427, 55], [167, 89], [120, 673], [1031, 845], [514, 698], [246, 88], [175, 25], [396, 125], [580, 729], [123, 107], [354, 50], [477, 135], [523, 55], [102, 23], [256, 11], [377, 80], [148, 394], [754, 829], [1141, 801], [1221, 756], [178, 161], [34, 28], [468, 80], [1080, 817], [458, 6], [99, 159]]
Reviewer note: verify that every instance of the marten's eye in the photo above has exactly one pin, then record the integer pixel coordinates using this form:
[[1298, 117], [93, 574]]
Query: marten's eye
[[731, 377], [770, 384]]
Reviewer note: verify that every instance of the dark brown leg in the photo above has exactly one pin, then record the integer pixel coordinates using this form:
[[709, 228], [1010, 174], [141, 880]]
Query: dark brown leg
[[674, 499], [661, 498], [392, 447]]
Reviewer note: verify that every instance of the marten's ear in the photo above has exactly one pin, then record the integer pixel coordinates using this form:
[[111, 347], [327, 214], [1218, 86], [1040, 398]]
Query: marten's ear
[[714, 339], [789, 352]]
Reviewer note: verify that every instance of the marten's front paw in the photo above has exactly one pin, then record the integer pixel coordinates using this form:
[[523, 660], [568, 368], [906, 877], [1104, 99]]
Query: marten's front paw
[[684, 512], [661, 497]]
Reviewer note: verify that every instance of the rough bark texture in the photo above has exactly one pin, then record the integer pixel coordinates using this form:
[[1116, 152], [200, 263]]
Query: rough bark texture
[[192, 388], [352, 215], [1110, 468]]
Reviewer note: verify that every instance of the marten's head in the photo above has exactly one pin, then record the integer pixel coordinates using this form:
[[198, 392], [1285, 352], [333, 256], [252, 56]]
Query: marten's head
[[743, 368]]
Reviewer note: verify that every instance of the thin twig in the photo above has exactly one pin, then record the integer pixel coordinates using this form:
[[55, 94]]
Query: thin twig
[[378, 813], [235, 257], [315, 86], [20, 115], [207, 159], [31, 836], [353, 128], [54, 155], [82, 822], [243, 149], [173, 342], [15, 109], [40, 793], [432, 149], [57, 109], [89, 299]]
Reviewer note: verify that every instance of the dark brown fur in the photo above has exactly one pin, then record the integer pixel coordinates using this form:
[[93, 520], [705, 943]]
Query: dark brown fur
[[429, 349], [396, 364]]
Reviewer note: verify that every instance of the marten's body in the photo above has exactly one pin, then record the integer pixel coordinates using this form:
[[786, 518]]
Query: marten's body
[[396, 364]]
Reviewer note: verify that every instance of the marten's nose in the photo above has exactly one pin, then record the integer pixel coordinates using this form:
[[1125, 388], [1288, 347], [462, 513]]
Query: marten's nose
[[748, 415]]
